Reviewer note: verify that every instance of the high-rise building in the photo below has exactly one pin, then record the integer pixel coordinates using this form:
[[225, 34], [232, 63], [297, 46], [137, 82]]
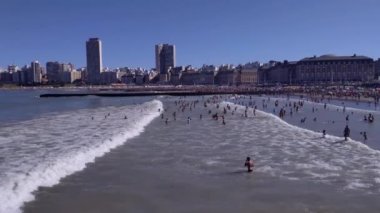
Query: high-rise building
[[53, 71], [35, 72], [12, 68], [94, 60], [165, 58]]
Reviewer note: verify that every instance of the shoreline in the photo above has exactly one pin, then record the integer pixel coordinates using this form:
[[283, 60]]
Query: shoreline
[[315, 94]]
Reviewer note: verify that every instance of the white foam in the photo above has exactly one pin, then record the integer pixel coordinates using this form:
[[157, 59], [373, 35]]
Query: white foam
[[77, 140], [287, 149], [358, 185]]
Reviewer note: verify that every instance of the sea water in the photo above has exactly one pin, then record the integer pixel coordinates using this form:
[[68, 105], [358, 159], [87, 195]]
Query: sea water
[[182, 166], [39, 148]]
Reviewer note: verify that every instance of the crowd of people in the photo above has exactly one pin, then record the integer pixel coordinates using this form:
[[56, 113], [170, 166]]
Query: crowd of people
[[212, 108]]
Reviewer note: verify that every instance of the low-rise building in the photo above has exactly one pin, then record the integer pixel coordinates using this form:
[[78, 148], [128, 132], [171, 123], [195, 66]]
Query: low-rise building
[[189, 77], [76, 76], [108, 77], [330, 68], [65, 77], [278, 73], [5, 77], [248, 76], [206, 78], [227, 75], [377, 69], [176, 74], [139, 77]]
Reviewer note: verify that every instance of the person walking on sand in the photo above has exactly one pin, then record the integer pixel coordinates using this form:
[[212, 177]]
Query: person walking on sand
[[346, 132], [249, 164]]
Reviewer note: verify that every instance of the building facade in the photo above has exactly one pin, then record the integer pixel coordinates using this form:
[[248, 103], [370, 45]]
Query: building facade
[[53, 71], [190, 77], [335, 69], [108, 77], [35, 71], [227, 77], [94, 60], [6, 77], [176, 74], [248, 76], [278, 73], [165, 58], [377, 69], [75, 76]]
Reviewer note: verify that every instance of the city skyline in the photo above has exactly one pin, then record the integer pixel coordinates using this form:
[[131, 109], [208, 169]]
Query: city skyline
[[212, 32]]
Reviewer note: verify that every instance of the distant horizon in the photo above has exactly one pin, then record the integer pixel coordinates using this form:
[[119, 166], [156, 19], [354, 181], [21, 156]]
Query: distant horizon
[[212, 32]]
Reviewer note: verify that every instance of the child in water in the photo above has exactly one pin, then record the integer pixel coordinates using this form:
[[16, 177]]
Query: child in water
[[249, 164]]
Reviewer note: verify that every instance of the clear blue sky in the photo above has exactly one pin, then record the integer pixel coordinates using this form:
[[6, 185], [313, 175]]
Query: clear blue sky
[[204, 31]]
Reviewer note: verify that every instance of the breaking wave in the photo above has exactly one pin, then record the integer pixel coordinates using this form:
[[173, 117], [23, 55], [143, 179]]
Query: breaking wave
[[41, 151]]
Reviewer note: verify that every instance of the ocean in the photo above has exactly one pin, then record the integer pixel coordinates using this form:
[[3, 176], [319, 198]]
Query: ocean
[[131, 154]]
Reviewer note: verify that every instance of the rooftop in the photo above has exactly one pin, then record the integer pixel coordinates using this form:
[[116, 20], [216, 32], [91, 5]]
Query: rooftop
[[335, 58]]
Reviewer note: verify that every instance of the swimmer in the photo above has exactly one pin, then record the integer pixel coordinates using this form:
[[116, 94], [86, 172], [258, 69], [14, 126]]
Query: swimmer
[[249, 164], [324, 133], [346, 132]]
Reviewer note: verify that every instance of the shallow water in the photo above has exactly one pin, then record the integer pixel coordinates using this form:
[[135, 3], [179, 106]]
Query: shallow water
[[40, 149], [198, 167]]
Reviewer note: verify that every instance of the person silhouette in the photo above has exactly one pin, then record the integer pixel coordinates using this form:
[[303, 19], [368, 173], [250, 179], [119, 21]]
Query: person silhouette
[[249, 164]]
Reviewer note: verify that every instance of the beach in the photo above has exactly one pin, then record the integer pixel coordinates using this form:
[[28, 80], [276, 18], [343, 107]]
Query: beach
[[196, 163]]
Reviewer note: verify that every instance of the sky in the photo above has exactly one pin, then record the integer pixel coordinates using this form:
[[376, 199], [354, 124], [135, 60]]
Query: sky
[[203, 31]]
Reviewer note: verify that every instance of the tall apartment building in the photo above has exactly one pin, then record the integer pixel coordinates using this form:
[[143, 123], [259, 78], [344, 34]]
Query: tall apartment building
[[35, 73], [165, 59], [94, 60], [53, 71]]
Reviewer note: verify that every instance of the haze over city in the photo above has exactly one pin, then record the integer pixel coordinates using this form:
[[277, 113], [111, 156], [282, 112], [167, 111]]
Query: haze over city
[[204, 32]]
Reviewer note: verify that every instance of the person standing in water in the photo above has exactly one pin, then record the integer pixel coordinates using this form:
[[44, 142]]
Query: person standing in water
[[249, 164], [365, 136], [346, 132]]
